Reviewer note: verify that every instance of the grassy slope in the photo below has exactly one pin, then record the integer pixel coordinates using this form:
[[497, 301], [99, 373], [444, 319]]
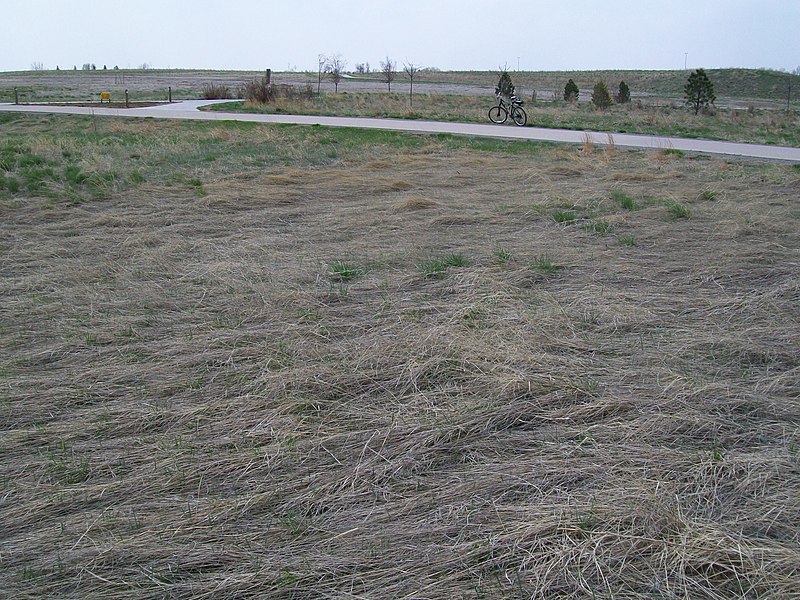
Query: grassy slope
[[248, 361], [741, 84]]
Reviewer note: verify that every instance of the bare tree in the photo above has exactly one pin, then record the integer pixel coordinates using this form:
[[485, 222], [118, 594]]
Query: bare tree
[[337, 69], [323, 67], [37, 66], [389, 71], [411, 69]]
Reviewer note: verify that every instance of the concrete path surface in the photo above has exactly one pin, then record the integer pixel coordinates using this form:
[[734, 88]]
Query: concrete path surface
[[189, 110]]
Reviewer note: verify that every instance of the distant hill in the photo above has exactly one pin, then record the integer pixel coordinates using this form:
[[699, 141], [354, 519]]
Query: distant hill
[[737, 84], [761, 86]]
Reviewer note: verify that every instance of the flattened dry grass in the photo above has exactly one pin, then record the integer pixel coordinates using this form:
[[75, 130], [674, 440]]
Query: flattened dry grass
[[194, 403]]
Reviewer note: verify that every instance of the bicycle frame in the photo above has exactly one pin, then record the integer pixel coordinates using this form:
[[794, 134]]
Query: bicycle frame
[[504, 109]]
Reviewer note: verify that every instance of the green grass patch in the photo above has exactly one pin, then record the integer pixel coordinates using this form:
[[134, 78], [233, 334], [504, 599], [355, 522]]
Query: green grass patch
[[708, 195], [341, 270], [437, 267], [502, 255], [600, 227], [624, 200], [678, 210], [544, 264], [563, 216], [627, 240], [74, 175]]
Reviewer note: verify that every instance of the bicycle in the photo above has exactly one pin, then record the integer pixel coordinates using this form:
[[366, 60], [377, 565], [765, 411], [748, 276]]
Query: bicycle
[[499, 114]]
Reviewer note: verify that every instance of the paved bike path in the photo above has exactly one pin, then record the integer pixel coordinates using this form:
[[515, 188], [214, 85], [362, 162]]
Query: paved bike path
[[189, 110]]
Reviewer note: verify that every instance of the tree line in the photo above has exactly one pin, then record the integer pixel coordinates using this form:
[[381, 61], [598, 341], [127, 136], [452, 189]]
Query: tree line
[[334, 68], [698, 91]]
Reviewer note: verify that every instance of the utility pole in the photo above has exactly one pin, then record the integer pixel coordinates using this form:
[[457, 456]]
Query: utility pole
[[789, 95], [685, 60], [518, 64]]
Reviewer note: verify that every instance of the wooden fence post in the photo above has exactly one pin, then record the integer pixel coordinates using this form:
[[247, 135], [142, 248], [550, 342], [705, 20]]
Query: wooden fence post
[[170, 94], [16, 96], [127, 104], [269, 76]]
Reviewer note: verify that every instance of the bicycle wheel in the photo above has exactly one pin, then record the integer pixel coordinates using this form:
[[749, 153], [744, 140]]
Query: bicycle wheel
[[498, 114], [519, 115]]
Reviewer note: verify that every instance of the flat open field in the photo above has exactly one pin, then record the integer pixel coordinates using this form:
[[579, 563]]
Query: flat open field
[[734, 87], [244, 361]]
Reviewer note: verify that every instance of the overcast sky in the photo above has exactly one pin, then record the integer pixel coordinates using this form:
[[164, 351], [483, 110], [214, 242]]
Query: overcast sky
[[448, 34]]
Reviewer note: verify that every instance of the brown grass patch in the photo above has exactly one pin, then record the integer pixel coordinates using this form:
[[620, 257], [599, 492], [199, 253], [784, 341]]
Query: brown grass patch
[[399, 186], [415, 203], [563, 171], [378, 164]]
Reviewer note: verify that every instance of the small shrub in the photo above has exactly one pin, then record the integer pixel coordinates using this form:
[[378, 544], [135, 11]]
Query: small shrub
[[627, 240], [504, 86], [261, 92], [624, 93], [571, 91], [215, 91], [12, 184], [600, 97], [258, 91]]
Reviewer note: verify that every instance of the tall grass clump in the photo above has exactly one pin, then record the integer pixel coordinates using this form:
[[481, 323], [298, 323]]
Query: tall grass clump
[[259, 91], [678, 210], [215, 91]]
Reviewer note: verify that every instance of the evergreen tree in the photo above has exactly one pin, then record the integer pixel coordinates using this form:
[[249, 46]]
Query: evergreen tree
[[571, 91], [505, 87], [699, 91], [624, 94], [600, 96]]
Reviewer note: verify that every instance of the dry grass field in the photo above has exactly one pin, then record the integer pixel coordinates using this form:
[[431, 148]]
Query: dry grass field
[[281, 362]]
